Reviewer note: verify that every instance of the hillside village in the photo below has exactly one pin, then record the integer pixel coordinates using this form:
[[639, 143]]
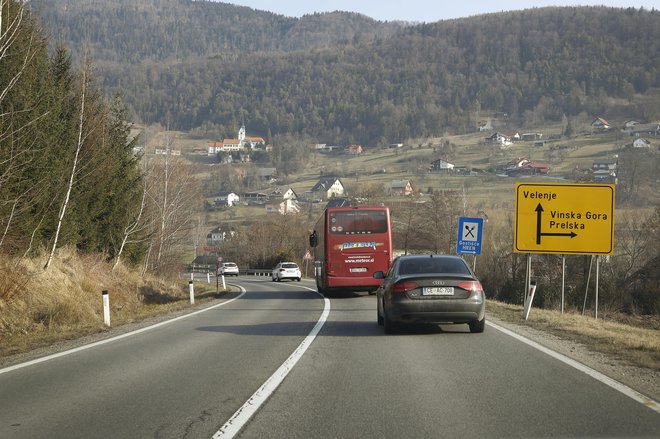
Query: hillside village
[[642, 136], [275, 196]]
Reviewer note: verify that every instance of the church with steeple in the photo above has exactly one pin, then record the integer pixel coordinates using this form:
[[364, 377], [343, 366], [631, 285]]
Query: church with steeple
[[232, 145]]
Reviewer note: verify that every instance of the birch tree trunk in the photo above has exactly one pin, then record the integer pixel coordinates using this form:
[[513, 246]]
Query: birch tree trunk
[[74, 167], [133, 227]]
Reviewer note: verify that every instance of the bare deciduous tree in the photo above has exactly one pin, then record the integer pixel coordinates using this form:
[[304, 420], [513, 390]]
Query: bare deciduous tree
[[173, 202]]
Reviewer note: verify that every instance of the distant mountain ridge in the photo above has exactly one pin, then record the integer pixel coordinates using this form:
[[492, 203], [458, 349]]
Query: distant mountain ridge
[[161, 30], [343, 77]]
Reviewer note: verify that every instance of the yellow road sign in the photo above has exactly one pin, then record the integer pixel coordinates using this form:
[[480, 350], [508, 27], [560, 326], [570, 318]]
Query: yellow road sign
[[564, 218]]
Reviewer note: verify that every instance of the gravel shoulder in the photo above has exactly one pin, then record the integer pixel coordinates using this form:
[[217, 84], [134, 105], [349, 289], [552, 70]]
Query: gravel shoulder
[[644, 380]]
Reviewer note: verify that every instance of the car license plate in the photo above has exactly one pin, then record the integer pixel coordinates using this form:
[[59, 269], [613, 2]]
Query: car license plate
[[358, 270], [438, 291]]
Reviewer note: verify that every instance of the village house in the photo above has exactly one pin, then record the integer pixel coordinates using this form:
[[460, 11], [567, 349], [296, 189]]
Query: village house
[[513, 135], [441, 165], [604, 165], [645, 129], [283, 207], [499, 139], [641, 143], [290, 194], [600, 124], [227, 199], [267, 174], [604, 171], [523, 166], [485, 125], [353, 149], [401, 188], [629, 125], [327, 187]]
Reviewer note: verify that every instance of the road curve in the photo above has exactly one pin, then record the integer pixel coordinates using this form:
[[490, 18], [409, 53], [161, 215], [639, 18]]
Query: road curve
[[187, 379]]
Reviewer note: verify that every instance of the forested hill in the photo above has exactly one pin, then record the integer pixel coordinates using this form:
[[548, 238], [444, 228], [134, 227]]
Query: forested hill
[[536, 65], [162, 30]]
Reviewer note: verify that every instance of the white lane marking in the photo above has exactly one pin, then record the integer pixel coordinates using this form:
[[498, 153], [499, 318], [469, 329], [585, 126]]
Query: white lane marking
[[631, 393], [252, 405], [118, 337]]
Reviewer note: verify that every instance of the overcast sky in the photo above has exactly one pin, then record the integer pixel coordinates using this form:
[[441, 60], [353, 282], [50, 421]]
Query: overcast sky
[[422, 10]]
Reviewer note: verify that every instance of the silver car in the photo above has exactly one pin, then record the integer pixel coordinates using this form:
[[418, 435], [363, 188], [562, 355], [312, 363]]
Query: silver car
[[430, 289], [286, 270]]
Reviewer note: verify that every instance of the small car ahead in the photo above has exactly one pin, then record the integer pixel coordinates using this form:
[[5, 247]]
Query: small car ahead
[[286, 270], [430, 289], [228, 269]]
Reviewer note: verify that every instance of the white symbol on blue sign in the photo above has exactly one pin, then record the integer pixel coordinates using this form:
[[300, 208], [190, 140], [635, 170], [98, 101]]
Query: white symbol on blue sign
[[469, 235], [470, 231]]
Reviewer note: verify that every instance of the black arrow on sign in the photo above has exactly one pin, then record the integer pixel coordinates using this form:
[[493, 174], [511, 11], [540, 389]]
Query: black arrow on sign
[[539, 213]]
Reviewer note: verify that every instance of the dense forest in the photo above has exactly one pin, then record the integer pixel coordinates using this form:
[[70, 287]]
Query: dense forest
[[344, 77], [69, 174]]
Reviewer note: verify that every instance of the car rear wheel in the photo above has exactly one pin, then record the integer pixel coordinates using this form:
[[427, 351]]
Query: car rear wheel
[[389, 326], [477, 326]]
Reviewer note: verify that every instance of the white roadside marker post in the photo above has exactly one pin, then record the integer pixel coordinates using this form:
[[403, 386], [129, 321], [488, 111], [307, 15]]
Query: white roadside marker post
[[106, 307], [191, 287]]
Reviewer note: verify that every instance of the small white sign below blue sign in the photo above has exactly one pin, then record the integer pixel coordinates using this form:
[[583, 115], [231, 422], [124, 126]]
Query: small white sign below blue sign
[[469, 235]]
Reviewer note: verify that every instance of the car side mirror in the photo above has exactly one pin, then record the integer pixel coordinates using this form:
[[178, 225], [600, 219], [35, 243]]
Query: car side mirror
[[379, 275]]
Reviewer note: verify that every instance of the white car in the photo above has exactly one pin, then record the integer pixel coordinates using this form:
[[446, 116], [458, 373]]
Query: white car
[[286, 270], [228, 269]]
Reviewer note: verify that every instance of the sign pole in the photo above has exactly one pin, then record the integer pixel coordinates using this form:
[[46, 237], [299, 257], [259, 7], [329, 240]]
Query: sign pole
[[563, 283], [597, 264], [529, 275]]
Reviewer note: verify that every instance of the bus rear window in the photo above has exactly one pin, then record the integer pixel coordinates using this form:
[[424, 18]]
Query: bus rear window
[[359, 222]]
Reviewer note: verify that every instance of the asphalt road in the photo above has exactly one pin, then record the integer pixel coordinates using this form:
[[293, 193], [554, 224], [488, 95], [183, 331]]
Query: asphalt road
[[186, 379]]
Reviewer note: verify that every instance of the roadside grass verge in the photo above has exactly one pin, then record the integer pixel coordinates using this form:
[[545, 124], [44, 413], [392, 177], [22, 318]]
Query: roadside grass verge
[[39, 307], [633, 339]]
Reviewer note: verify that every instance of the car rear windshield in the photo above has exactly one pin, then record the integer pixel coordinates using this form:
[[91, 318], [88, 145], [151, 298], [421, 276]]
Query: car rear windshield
[[289, 265], [433, 265], [230, 264]]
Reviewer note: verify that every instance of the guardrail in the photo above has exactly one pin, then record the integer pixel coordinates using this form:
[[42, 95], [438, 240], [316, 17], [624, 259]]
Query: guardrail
[[256, 272], [247, 272]]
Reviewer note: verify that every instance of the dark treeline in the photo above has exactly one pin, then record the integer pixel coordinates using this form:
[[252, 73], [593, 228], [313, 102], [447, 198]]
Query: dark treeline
[[386, 83], [67, 167], [129, 31]]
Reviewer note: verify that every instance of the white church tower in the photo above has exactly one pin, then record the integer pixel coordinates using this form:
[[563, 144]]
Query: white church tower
[[241, 134]]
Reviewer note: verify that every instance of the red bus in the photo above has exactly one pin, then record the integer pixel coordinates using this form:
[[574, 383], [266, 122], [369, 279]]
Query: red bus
[[350, 245]]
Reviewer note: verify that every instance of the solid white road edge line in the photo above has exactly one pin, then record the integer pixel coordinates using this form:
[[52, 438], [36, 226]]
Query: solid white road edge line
[[118, 337], [252, 405], [631, 393]]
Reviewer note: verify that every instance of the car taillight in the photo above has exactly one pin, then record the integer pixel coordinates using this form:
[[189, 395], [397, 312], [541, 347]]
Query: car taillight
[[403, 287], [471, 286]]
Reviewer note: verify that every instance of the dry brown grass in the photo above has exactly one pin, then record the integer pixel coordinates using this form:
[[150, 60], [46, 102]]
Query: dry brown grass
[[634, 339], [39, 307]]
